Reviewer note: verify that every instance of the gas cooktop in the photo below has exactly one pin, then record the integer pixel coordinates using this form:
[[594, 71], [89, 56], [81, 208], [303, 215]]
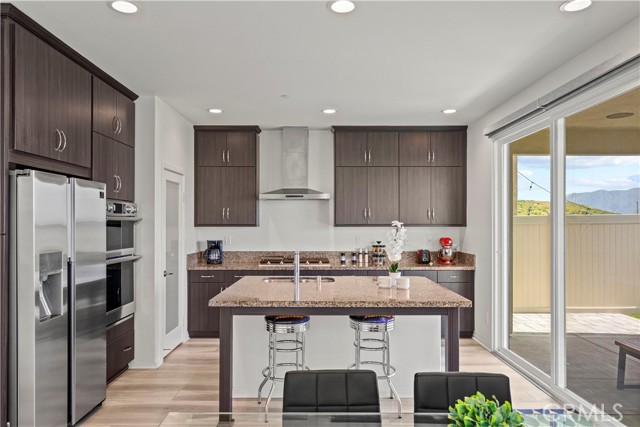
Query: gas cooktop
[[280, 260]]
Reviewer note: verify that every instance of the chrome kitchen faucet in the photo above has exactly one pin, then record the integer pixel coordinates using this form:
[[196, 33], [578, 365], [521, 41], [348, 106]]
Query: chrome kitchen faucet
[[296, 276]]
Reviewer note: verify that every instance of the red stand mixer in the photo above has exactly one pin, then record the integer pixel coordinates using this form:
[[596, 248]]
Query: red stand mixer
[[447, 253]]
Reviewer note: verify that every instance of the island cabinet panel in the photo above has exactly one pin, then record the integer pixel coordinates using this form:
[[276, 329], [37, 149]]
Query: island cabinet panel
[[226, 190], [113, 113], [52, 102], [114, 164]]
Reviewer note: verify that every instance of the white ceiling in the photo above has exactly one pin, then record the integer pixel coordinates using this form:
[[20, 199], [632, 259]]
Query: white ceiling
[[389, 62]]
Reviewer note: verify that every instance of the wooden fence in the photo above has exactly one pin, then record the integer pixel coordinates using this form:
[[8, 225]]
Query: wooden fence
[[602, 263]]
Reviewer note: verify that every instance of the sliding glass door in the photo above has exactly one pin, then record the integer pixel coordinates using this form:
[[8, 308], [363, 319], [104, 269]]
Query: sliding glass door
[[529, 288], [602, 261], [569, 233]]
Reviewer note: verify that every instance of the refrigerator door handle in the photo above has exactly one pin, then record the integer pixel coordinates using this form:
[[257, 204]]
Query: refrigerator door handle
[[71, 280]]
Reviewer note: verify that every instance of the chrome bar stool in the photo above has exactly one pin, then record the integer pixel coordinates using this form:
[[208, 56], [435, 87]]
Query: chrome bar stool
[[280, 325], [382, 324]]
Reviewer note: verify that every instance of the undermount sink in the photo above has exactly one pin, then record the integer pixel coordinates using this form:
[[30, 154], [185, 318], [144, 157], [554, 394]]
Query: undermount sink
[[303, 279]]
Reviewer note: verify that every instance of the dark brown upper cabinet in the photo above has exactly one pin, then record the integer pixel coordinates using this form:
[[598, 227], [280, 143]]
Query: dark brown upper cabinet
[[114, 164], [226, 196], [226, 148], [226, 190], [432, 148], [432, 196], [364, 148], [366, 196], [113, 113], [428, 187], [52, 102]]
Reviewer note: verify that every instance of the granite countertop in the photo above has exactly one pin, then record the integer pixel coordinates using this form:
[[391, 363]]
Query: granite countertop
[[248, 260], [346, 291]]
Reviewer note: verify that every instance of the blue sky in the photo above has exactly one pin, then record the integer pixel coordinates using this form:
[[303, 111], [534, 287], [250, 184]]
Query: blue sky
[[584, 174]]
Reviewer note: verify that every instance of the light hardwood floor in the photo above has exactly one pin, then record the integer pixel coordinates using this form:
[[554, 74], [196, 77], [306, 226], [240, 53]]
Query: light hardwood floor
[[188, 382]]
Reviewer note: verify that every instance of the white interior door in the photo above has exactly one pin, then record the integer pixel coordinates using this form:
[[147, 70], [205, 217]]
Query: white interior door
[[173, 256]]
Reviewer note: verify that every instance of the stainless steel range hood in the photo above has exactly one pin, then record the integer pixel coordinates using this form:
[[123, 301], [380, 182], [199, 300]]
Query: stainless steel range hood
[[295, 168]]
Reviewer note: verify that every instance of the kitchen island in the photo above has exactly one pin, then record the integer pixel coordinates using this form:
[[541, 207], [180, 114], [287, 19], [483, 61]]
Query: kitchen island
[[347, 295]]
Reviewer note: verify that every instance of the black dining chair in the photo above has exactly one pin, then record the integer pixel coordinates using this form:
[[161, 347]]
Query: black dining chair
[[331, 391], [435, 391]]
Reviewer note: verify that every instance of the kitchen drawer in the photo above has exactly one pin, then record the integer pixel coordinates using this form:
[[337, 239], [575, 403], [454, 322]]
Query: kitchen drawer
[[206, 276], [119, 353], [232, 276], [119, 328], [455, 276], [429, 274]]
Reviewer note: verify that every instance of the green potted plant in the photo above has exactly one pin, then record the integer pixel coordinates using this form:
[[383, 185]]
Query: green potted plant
[[479, 411]]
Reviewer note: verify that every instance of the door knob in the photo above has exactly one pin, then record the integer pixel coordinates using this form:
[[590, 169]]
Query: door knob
[[166, 273]]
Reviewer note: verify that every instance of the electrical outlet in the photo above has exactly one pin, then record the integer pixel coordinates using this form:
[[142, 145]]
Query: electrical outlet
[[227, 240]]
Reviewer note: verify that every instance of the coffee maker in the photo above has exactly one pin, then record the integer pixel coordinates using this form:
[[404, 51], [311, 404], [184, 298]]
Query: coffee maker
[[213, 253]]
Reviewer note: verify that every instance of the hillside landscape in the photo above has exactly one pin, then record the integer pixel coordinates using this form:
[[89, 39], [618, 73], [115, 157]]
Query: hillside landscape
[[538, 208], [616, 201]]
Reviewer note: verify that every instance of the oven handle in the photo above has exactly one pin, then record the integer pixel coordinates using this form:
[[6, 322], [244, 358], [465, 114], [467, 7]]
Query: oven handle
[[122, 259]]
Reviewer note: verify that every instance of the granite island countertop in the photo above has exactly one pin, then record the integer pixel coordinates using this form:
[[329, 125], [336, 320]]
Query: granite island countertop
[[248, 260], [346, 291]]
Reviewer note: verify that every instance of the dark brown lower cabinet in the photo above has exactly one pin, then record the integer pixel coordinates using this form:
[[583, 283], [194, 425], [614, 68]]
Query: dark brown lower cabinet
[[458, 281], [120, 347], [204, 321]]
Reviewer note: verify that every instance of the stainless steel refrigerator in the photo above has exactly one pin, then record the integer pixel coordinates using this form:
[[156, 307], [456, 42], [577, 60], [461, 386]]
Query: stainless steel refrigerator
[[57, 298]]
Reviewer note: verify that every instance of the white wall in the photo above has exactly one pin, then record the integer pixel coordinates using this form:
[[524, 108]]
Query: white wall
[[307, 225], [478, 238], [163, 138]]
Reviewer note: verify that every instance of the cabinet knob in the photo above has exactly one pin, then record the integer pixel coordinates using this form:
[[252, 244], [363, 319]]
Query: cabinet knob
[[128, 348]]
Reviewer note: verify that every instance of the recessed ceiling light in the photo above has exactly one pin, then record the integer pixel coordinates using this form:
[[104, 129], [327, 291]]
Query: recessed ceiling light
[[215, 110], [329, 111], [449, 111], [575, 5], [124, 6], [342, 6], [619, 115]]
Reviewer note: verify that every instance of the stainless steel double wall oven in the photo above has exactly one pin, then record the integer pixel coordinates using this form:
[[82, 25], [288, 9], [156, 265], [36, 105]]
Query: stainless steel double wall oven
[[121, 256]]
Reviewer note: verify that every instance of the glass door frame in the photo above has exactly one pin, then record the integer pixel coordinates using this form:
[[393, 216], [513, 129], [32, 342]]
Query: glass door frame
[[553, 118]]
